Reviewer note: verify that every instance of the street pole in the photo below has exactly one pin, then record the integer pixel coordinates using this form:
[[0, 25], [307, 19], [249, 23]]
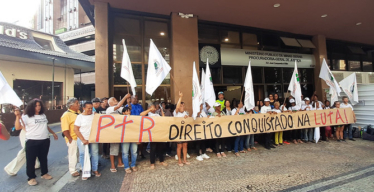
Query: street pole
[[53, 82]]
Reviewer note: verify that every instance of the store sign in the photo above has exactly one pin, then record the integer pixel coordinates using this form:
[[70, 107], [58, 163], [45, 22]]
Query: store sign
[[241, 57], [12, 32]]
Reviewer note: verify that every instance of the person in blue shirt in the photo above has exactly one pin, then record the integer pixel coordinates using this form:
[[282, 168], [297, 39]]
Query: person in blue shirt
[[136, 108]]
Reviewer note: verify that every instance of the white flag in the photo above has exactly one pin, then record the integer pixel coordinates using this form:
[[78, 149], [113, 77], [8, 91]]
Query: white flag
[[196, 93], [329, 78], [7, 94], [202, 85], [158, 69], [126, 69], [209, 94], [249, 99], [349, 86], [295, 87]]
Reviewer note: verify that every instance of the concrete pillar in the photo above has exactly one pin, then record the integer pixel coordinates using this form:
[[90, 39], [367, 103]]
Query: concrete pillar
[[320, 53], [185, 50], [102, 50]]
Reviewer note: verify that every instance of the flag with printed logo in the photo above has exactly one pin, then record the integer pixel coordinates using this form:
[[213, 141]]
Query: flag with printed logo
[[349, 86], [196, 93], [295, 87], [209, 94], [126, 69], [158, 69], [249, 99], [329, 78]]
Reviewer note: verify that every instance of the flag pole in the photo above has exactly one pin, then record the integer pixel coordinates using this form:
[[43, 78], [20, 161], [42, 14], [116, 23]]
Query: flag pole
[[242, 95], [285, 97], [128, 88]]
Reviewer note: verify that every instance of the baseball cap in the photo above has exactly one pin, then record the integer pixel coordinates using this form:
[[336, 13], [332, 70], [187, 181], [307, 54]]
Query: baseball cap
[[220, 93], [266, 99], [96, 100], [216, 104], [292, 100], [306, 99]]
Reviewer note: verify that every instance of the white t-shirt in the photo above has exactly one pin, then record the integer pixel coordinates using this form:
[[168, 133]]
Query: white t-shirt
[[342, 105], [265, 109], [110, 110], [304, 107], [179, 114], [294, 108], [150, 114], [241, 111], [36, 127], [284, 108], [84, 122], [276, 110]]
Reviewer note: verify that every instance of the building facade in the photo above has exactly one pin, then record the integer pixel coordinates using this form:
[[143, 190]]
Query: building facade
[[272, 37]]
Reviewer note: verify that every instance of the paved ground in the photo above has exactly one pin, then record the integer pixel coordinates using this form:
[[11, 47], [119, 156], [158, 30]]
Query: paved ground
[[326, 166]]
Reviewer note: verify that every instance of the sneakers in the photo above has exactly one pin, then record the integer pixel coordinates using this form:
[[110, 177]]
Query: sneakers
[[188, 156], [47, 176], [199, 158], [32, 182], [176, 157], [205, 156]]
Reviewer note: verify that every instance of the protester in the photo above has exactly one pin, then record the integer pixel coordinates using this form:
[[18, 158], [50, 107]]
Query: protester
[[221, 100], [239, 140], [339, 128], [227, 110], [157, 148], [266, 109], [309, 132], [328, 130], [35, 124], [348, 127], [295, 134], [219, 141], [67, 127], [115, 107], [96, 102], [271, 98], [276, 98], [200, 144], [126, 147], [83, 129], [136, 109], [104, 103], [250, 139], [180, 112], [278, 134]]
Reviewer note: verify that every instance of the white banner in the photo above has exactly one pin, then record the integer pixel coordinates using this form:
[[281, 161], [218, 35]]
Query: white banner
[[260, 58]]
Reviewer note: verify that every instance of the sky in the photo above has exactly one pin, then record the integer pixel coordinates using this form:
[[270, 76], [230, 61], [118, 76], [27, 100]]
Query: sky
[[19, 12]]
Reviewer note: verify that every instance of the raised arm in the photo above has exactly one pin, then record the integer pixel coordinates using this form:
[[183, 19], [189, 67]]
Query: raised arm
[[179, 101], [122, 101], [144, 113], [17, 123]]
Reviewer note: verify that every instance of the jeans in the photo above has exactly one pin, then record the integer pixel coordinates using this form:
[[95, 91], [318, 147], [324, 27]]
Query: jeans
[[349, 129], [239, 143], [309, 134], [36, 149], [133, 147], [94, 154], [249, 141]]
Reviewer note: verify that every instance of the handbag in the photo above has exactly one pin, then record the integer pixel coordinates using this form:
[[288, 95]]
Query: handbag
[[87, 163]]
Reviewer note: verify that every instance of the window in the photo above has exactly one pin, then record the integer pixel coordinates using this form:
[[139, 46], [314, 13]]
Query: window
[[354, 65], [256, 74], [232, 75], [250, 39], [136, 69], [230, 37], [273, 75], [156, 29], [306, 75], [45, 44], [208, 35], [287, 74], [368, 66], [338, 65], [126, 26], [133, 45]]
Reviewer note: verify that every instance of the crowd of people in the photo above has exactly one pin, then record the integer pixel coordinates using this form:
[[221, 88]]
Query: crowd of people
[[76, 128]]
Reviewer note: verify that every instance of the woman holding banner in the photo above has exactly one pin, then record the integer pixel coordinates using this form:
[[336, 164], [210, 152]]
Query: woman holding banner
[[239, 140], [157, 148], [339, 128], [279, 134], [220, 141], [267, 109], [82, 127], [229, 111], [180, 112], [296, 134]]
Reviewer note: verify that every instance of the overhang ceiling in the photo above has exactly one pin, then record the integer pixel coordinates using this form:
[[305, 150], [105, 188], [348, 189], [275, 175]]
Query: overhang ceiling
[[294, 16]]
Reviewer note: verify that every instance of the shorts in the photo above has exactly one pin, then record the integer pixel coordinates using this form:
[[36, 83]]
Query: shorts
[[114, 149]]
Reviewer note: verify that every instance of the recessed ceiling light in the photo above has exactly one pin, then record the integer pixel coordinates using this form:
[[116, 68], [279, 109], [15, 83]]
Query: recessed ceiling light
[[359, 23], [162, 33], [227, 39], [324, 15], [277, 5]]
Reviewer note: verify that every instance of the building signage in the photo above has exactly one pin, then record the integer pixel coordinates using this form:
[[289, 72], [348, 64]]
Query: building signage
[[240, 57], [13, 32], [211, 52]]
